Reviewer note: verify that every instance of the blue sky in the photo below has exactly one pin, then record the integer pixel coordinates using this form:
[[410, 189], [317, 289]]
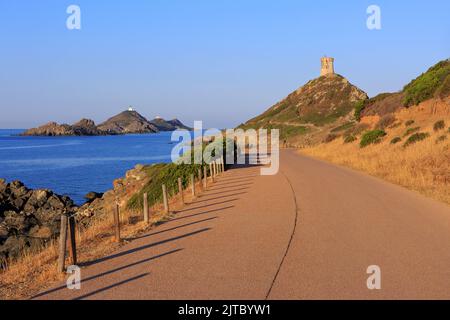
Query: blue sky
[[217, 61]]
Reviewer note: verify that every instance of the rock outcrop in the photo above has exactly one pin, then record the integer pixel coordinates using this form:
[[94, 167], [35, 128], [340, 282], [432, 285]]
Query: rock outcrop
[[84, 127], [28, 218], [170, 125], [127, 122], [101, 205], [50, 129]]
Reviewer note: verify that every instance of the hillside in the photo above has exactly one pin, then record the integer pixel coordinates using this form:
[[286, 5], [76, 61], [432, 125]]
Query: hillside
[[402, 137], [319, 102], [128, 121], [322, 102], [329, 107], [434, 83]]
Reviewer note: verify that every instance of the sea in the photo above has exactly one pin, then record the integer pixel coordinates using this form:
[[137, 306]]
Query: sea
[[75, 166]]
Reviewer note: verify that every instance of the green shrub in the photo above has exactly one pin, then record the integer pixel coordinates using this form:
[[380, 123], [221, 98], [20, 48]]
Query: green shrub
[[359, 107], [396, 140], [160, 174], [349, 139], [416, 137], [410, 131], [371, 137], [409, 123], [439, 125]]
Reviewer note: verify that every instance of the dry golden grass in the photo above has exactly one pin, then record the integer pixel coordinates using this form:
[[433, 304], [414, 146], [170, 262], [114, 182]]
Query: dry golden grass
[[35, 272], [423, 166]]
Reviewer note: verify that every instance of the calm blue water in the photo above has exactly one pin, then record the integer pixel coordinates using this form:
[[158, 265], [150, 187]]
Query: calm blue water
[[75, 166]]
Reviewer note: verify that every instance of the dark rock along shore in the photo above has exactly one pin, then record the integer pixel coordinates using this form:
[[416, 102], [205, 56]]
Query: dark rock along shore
[[28, 218], [31, 218]]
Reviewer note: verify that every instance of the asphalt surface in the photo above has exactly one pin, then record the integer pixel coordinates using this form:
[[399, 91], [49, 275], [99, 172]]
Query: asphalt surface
[[309, 232]]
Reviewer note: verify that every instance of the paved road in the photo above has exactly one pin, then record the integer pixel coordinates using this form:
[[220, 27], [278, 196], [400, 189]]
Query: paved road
[[309, 232]]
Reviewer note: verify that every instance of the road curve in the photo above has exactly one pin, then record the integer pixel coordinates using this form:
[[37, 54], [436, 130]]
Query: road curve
[[309, 232]]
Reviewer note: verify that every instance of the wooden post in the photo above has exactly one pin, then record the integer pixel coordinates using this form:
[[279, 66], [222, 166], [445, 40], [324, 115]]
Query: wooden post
[[72, 241], [146, 215], [117, 222], [199, 174], [180, 190], [193, 184], [62, 243], [223, 165], [211, 171], [205, 178], [165, 199]]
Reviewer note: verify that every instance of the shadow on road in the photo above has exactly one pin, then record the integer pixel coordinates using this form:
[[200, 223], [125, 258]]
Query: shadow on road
[[120, 254], [171, 229], [199, 214], [206, 206], [109, 272], [111, 286]]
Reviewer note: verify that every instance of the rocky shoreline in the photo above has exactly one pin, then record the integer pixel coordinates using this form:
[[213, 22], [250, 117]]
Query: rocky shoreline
[[29, 218]]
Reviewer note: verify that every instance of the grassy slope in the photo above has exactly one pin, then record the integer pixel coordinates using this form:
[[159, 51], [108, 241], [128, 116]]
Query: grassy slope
[[423, 166], [434, 83]]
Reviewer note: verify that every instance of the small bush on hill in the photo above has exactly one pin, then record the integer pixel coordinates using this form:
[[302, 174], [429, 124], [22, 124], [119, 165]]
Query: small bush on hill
[[416, 137], [409, 123], [396, 140], [359, 107], [371, 137], [411, 130], [439, 125], [349, 139]]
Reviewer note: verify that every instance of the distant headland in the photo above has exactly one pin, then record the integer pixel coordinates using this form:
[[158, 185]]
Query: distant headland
[[126, 122]]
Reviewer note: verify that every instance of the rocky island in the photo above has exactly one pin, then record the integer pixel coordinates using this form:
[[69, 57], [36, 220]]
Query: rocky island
[[126, 122]]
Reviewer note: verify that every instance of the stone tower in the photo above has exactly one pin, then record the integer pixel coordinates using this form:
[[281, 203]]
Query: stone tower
[[327, 66]]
